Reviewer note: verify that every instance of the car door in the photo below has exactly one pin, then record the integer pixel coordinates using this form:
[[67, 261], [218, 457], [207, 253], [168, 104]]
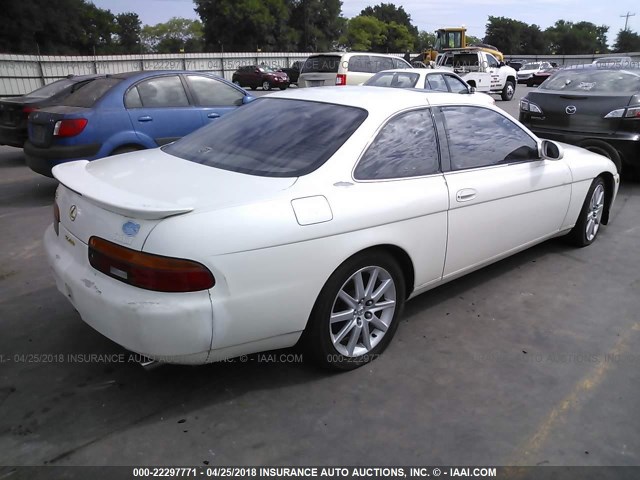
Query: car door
[[493, 69], [399, 177], [212, 97], [159, 109], [502, 196]]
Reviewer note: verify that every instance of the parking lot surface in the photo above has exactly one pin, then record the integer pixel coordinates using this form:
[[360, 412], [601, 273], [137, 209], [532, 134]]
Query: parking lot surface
[[531, 361]]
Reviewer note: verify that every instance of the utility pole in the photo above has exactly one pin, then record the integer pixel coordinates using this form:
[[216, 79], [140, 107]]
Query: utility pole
[[626, 17]]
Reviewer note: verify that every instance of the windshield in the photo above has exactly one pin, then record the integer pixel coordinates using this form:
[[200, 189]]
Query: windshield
[[531, 66], [271, 137], [594, 80], [393, 79], [321, 64], [88, 95], [264, 68], [52, 89]]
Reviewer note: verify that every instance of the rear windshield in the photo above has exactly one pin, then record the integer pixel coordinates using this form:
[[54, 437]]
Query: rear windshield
[[271, 137], [594, 80], [322, 64], [52, 89], [530, 66], [88, 95], [393, 79]]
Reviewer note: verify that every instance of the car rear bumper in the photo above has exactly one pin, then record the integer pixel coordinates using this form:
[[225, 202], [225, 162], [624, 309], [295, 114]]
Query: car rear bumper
[[13, 136], [168, 327], [628, 143], [42, 160]]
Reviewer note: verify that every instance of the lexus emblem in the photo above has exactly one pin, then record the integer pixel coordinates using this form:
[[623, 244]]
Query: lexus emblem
[[73, 212], [571, 109]]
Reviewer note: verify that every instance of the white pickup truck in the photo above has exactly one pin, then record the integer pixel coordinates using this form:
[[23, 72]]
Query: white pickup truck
[[480, 70]]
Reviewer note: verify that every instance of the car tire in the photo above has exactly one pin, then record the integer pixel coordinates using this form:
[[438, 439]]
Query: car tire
[[283, 88], [508, 91], [605, 149], [126, 149], [349, 326], [266, 86], [588, 225]]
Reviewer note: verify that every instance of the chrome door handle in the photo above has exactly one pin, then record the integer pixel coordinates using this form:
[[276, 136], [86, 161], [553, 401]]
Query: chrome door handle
[[145, 118], [213, 115], [466, 194]]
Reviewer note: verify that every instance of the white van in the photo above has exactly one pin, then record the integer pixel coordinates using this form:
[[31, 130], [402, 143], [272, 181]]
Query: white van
[[353, 68]]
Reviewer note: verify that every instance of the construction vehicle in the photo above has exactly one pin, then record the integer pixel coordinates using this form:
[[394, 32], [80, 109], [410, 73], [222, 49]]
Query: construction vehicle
[[449, 38]]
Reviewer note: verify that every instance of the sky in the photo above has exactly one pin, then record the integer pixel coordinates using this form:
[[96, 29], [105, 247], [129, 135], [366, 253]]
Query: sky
[[431, 15]]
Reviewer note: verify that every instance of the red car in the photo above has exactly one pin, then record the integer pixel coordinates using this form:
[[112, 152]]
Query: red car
[[254, 76], [539, 77]]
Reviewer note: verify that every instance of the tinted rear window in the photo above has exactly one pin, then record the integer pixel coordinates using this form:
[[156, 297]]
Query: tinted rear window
[[322, 64], [88, 95], [271, 137], [51, 89], [594, 80]]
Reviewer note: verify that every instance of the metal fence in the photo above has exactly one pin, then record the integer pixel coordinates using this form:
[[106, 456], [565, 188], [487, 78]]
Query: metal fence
[[20, 74]]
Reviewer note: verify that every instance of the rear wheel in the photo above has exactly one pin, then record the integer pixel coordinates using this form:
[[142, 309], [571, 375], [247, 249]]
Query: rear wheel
[[266, 86], [603, 148], [356, 313], [508, 91], [586, 229]]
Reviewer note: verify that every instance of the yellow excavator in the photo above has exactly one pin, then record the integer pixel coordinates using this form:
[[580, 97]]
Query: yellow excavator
[[454, 37]]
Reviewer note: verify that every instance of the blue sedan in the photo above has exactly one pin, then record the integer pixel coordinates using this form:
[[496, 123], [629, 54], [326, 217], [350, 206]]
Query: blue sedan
[[127, 112]]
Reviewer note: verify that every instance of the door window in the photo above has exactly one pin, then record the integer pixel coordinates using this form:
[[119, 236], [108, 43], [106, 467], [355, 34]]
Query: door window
[[163, 92], [491, 61], [212, 92], [360, 63], [456, 85], [436, 82], [480, 137], [405, 147]]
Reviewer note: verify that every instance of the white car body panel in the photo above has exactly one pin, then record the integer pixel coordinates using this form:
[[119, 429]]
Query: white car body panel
[[271, 243]]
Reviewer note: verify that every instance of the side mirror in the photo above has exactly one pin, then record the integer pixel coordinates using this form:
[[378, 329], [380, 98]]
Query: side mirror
[[472, 89], [247, 99], [549, 150], [501, 64], [257, 70]]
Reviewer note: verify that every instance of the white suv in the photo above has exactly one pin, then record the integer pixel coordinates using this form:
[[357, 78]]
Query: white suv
[[354, 68]]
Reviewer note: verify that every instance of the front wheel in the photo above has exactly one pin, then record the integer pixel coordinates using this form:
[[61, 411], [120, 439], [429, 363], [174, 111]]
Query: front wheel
[[508, 91], [266, 86], [587, 227], [356, 313]]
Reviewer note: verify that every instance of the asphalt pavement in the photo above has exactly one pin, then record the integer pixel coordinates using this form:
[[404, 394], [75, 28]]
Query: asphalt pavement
[[531, 361]]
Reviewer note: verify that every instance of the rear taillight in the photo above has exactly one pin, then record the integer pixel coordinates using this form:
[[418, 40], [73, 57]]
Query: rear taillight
[[148, 271], [341, 79], [56, 218], [628, 112], [527, 106], [27, 110], [69, 128]]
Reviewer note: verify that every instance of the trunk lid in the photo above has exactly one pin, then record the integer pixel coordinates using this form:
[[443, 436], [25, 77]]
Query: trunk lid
[[589, 110], [12, 112], [42, 122], [122, 198]]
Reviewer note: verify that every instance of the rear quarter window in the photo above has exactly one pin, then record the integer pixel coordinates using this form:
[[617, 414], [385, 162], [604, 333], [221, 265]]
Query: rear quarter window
[[322, 64]]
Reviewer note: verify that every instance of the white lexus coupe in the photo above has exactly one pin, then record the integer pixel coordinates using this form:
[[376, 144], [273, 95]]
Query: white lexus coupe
[[310, 215]]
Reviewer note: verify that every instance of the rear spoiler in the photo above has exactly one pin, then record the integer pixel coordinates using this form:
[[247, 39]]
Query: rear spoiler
[[74, 175]]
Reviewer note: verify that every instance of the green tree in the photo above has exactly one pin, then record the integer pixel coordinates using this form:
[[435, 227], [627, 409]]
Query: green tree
[[244, 25], [173, 36], [316, 24], [506, 34], [425, 41], [568, 38], [364, 33], [627, 41], [128, 28], [389, 13]]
